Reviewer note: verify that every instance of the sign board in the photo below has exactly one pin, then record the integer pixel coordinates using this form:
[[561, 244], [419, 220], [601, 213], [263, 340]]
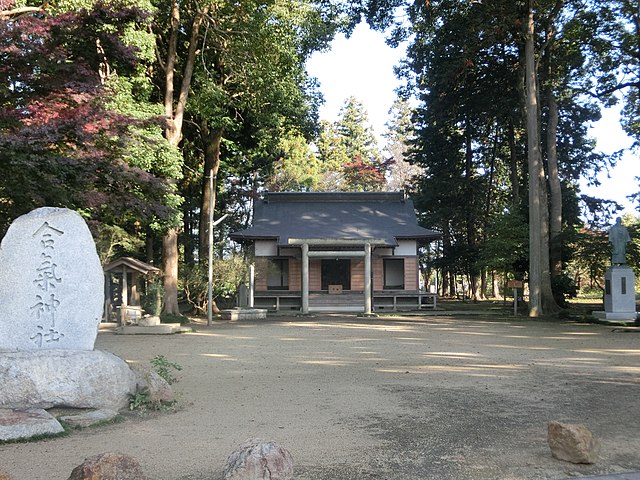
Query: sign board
[[515, 284]]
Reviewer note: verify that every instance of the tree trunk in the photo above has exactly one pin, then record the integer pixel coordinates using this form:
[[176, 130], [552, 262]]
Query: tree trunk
[[170, 271], [211, 142], [515, 178], [470, 217], [495, 286], [535, 171], [549, 304], [174, 114], [555, 215]]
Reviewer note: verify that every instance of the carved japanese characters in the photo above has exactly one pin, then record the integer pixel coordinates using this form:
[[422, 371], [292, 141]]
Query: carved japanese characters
[[51, 283]]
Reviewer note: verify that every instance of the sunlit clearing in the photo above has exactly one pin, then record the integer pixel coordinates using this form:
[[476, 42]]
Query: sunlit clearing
[[580, 333], [204, 334], [221, 356], [356, 326], [450, 354], [331, 363], [472, 372], [626, 369], [558, 338], [221, 335], [519, 347], [610, 352], [580, 360]]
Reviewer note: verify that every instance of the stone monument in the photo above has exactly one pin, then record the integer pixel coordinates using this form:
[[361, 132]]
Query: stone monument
[[51, 300], [51, 283], [619, 280]]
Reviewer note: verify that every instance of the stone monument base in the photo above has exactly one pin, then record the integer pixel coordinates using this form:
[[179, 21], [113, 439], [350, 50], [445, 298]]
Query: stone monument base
[[619, 296], [160, 329], [616, 317], [244, 314]]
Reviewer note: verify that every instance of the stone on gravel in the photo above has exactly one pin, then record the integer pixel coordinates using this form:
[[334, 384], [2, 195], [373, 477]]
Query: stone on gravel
[[90, 417], [149, 382], [572, 443], [24, 423], [51, 283], [256, 459], [5, 476], [108, 466], [65, 378]]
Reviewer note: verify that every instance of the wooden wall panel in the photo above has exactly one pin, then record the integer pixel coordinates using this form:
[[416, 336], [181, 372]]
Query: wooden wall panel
[[357, 274], [295, 272], [377, 266], [410, 273], [261, 274], [315, 274]]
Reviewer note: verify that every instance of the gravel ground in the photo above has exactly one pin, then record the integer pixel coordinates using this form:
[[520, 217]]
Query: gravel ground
[[445, 398]]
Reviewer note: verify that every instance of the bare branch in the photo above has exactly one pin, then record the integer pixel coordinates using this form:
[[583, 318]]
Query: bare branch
[[21, 10]]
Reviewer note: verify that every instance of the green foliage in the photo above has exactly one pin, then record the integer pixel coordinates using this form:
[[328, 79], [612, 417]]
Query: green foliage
[[564, 288], [228, 274], [152, 297], [165, 368], [348, 152], [297, 169], [113, 241], [141, 400], [173, 318], [77, 129], [506, 246]]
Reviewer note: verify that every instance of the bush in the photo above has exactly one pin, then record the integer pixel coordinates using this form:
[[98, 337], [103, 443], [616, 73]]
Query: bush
[[171, 318], [563, 289], [164, 368], [152, 298], [228, 274]]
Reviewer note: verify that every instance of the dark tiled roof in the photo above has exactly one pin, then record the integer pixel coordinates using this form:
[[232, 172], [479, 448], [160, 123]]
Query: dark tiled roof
[[132, 264], [335, 215]]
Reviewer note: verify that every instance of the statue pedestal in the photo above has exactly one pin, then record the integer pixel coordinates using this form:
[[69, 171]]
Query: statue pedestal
[[619, 295]]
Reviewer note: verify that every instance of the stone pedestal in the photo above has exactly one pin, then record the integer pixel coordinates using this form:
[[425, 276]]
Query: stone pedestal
[[619, 295]]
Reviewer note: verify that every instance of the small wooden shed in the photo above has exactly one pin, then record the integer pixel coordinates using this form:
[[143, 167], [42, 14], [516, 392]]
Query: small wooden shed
[[124, 283]]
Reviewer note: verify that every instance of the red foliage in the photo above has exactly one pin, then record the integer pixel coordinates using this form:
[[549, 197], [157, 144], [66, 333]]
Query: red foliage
[[364, 175], [60, 143]]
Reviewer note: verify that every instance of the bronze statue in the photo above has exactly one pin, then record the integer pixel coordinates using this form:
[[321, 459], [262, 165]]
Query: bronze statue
[[618, 237]]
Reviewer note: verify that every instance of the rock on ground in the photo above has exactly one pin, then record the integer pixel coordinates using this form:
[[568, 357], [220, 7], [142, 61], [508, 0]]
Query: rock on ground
[[65, 378], [256, 459], [149, 382], [572, 443], [25, 423], [108, 466], [5, 476], [88, 418]]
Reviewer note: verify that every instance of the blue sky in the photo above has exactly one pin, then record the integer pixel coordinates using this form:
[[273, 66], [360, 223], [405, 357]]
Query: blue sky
[[362, 66]]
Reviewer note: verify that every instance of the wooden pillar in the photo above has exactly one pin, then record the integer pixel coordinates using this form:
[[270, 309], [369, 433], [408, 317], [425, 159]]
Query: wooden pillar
[[252, 284], [124, 296], [367, 279], [305, 278]]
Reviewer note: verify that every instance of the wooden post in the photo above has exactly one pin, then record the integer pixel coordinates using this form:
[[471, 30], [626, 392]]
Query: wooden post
[[367, 279], [305, 278]]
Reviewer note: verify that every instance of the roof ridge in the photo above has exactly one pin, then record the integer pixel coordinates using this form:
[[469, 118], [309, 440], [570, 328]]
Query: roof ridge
[[288, 197]]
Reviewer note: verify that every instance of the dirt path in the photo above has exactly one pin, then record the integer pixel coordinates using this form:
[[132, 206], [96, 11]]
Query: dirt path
[[352, 398]]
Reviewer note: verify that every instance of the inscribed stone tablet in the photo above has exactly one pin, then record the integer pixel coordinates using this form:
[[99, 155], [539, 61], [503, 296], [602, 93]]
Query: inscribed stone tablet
[[51, 283]]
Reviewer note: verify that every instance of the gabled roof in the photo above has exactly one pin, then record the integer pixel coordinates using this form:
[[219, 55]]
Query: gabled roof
[[387, 216], [131, 264]]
